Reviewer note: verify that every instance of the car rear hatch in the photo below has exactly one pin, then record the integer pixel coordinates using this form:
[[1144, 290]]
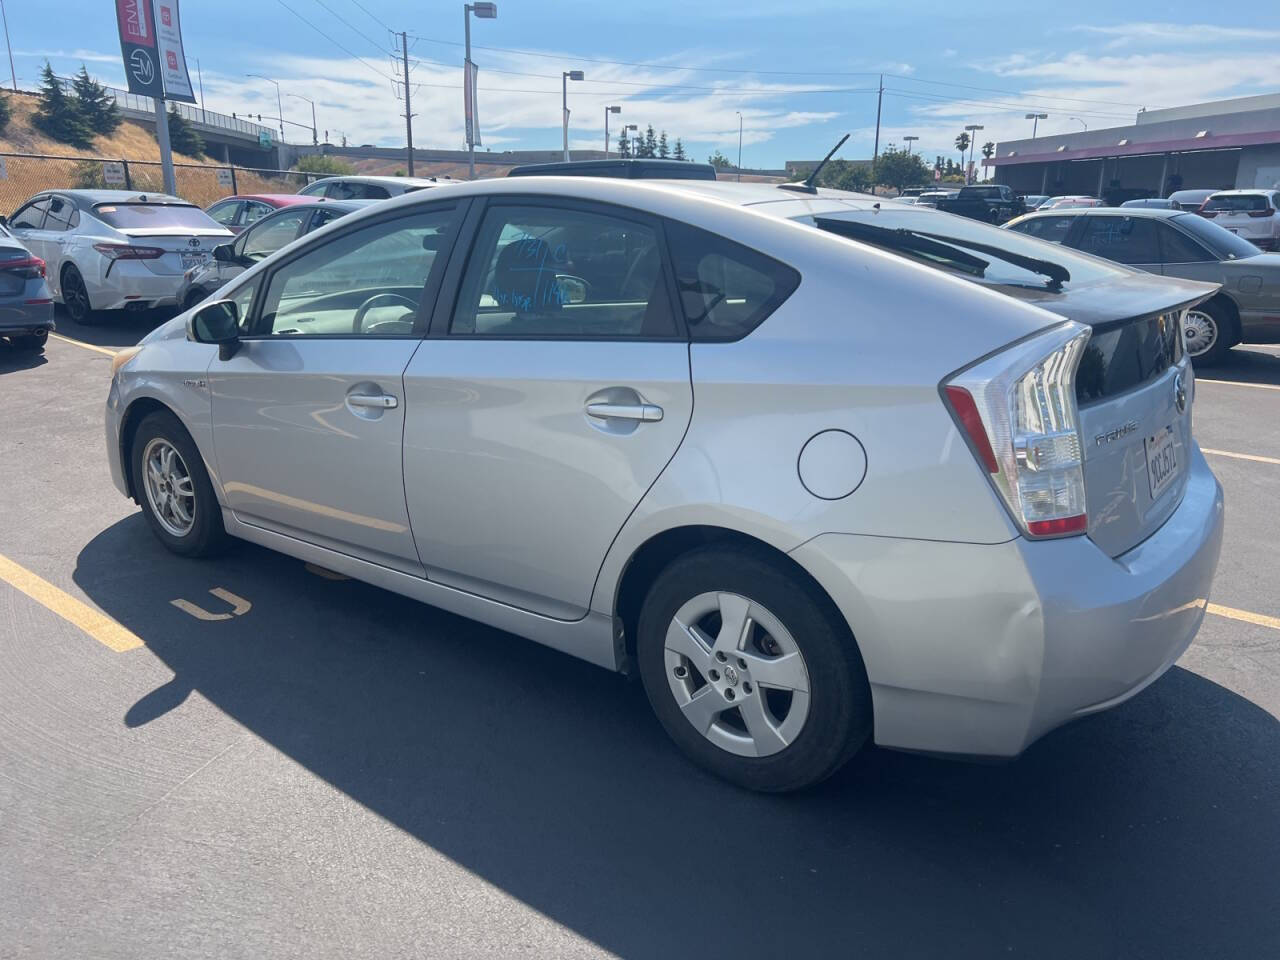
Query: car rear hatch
[[1246, 214], [175, 237], [1134, 395]]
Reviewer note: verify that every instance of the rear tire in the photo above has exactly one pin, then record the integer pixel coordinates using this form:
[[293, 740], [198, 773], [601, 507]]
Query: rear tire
[[1209, 334], [75, 297], [731, 642], [31, 341], [174, 489]]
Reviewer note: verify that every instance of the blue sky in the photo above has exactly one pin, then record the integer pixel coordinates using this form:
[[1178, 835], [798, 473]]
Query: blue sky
[[800, 75]]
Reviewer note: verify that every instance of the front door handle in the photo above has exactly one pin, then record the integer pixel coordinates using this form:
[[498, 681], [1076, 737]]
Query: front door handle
[[379, 401], [646, 412]]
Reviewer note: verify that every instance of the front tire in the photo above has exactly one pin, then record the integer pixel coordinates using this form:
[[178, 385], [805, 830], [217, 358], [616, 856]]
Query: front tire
[[174, 488], [31, 341], [751, 669], [1207, 334]]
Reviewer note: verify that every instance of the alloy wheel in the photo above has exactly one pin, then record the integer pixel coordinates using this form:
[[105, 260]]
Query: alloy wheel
[[74, 295], [170, 490], [1199, 333], [737, 674]]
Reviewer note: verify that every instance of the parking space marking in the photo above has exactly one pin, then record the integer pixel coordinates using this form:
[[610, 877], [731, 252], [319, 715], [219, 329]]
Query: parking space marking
[[1247, 616], [1239, 383], [80, 343], [1242, 456], [239, 606], [93, 622]]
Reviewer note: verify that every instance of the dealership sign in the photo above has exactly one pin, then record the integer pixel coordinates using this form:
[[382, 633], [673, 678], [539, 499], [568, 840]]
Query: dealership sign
[[151, 43]]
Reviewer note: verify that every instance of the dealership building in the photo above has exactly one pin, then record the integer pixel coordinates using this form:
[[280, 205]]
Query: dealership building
[[1221, 145]]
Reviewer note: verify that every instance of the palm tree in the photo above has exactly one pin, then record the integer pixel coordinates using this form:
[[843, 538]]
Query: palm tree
[[989, 149], [962, 144]]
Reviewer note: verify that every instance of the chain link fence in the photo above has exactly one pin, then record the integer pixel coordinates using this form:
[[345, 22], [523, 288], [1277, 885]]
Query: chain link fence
[[22, 175]]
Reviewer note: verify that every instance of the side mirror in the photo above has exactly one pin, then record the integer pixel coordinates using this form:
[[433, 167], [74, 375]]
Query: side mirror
[[224, 253], [217, 322]]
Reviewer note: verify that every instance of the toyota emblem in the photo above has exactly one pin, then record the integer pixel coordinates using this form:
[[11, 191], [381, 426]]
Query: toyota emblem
[[193, 242], [1180, 394]]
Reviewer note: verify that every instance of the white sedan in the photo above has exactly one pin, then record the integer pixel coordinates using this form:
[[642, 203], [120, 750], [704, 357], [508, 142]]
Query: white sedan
[[115, 249]]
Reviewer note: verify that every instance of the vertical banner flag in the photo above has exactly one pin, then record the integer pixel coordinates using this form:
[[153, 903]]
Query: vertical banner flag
[[151, 42], [138, 46], [470, 105]]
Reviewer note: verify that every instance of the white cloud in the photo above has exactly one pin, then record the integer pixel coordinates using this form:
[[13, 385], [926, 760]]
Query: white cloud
[[1180, 33], [89, 56]]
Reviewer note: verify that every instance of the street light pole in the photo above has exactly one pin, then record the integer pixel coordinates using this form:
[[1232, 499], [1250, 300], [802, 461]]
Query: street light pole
[[625, 128], [1079, 121], [1035, 119], [279, 102], [483, 11], [909, 138], [607, 111], [13, 73], [315, 139], [739, 113], [565, 77], [972, 128]]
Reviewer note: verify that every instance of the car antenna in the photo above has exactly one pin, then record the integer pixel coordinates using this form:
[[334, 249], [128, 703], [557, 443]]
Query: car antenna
[[808, 185]]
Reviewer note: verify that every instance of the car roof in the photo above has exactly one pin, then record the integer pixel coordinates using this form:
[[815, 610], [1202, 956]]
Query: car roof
[[1153, 213], [85, 199], [1244, 192], [275, 199], [648, 168], [360, 178]]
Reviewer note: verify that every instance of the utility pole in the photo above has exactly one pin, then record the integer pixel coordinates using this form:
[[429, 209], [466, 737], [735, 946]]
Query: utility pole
[[879, 99], [739, 112], [13, 73], [408, 113], [200, 75], [166, 152]]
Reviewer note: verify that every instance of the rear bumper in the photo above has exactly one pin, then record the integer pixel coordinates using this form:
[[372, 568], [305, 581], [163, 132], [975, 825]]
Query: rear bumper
[[18, 319], [982, 649], [130, 282]]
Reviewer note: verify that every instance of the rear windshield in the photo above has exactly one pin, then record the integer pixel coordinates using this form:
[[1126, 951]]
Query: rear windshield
[[1119, 357], [1237, 202], [959, 230], [133, 216], [1221, 241]]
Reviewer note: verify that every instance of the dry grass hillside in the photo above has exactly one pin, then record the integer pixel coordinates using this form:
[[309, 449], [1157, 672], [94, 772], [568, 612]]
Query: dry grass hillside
[[64, 166]]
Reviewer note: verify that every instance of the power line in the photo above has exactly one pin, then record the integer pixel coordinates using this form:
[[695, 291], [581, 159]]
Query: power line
[[350, 25], [373, 16], [1014, 93], [1004, 105], [335, 42]]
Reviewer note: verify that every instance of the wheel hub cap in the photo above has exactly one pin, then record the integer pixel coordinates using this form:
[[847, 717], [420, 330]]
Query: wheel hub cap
[[169, 488], [1199, 332]]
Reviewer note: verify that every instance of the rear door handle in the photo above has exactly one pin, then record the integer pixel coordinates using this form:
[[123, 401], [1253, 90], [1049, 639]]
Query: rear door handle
[[646, 412], [379, 401]]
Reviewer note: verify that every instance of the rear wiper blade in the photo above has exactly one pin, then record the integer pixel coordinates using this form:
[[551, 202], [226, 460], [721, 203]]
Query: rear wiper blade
[[1056, 272], [900, 238]]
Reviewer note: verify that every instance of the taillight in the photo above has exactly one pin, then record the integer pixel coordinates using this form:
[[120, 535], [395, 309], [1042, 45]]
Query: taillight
[[127, 251], [30, 268], [1207, 213], [1018, 410], [1261, 213]]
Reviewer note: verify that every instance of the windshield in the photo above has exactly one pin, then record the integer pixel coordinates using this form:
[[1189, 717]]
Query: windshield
[[960, 231], [136, 216], [1221, 241], [1236, 202]]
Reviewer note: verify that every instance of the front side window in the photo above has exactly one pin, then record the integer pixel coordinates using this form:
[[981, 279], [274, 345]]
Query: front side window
[[255, 211], [315, 188], [726, 289], [31, 216], [540, 271], [1053, 229], [1122, 239], [1179, 248], [367, 282], [266, 238]]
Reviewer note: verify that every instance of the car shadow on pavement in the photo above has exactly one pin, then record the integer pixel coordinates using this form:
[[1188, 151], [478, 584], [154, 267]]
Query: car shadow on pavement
[[1247, 363], [13, 359], [114, 328], [1149, 831]]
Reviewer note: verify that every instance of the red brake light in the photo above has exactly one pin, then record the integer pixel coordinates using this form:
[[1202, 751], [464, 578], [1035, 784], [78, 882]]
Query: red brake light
[[1261, 213], [1059, 526], [29, 267], [125, 251], [964, 407]]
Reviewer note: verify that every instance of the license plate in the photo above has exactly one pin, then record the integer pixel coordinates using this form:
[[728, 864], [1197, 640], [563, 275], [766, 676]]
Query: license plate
[[190, 260], [1162, 461]]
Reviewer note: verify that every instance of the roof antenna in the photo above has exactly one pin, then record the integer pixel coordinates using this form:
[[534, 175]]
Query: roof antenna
[[808, 185]]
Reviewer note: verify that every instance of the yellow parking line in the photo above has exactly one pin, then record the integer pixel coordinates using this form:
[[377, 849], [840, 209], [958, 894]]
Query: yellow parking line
[[1260, 619], [96, 624], [1239, 383], [1242, 456], [80, 343]]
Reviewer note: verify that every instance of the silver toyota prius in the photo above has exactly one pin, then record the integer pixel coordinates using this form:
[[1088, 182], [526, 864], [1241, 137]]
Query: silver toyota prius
[[819, 469]]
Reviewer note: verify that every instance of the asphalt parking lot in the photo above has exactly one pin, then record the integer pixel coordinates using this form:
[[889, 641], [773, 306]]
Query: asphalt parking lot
[[245, 757]]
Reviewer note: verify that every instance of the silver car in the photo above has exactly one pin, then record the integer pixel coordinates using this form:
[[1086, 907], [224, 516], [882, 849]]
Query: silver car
[[1174, 243], [817, 477]]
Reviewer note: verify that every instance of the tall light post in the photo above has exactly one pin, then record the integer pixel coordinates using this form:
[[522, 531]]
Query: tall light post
[[1035, 119], [13, 73], [739, 113], [482, 11], [607, 111], [565, 77], [910, 138], [279, 106], [1079, 121], [315, 139], [972, 129]]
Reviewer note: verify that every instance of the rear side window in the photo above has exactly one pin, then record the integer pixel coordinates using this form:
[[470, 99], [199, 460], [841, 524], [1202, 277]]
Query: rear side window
[[726, 289], [1179, 248], [62, 215], [1122, 239]]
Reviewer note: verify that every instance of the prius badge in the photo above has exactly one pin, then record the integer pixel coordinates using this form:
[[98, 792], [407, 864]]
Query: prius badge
[[1116, 433]]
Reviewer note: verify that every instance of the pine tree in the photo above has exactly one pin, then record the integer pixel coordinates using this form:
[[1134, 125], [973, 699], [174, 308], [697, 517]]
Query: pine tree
[[663, 150], [58, 116], [650, 142], [624, 145], [183, 137], [96, 105], [678, 154]]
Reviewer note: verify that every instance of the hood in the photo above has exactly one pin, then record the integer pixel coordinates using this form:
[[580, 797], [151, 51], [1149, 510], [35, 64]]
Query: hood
[[174, 329]]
